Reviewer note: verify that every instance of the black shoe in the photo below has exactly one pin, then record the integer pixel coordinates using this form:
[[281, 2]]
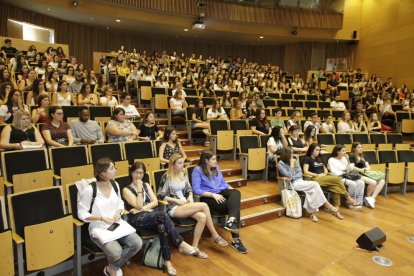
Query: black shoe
[[232, 226], [238, 246]]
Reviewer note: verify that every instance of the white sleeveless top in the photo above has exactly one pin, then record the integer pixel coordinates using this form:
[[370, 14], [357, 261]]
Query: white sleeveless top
[[64, 101]]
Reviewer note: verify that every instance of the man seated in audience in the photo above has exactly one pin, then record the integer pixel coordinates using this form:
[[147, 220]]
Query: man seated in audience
[[333, 82], [84, 130], [259, 103], [76, 86], [314, 121], [8, 50], [179, 87], [131, 111], [337, 104], [359, 108]]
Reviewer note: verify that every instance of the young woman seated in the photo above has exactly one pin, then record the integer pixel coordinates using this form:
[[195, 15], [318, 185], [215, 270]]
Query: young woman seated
[[120, 129], [148, 129], [359, 123], [216, 112], [374, 187], [56, 132], [175, 188], [275, 144], [108, 99], [21, 134], [338, 164], [328, 126], [40, 114], [237, 112], [260, 125], [38, 88], [62, 97], [310, 135], [290, 169], [314, 168], [199, 120], [177, 104], [208, 182], [295, 141], [345, 124], [141, 202], [226, 101], [374, 124], [86, 96], [14, 103], [171, 144], [294, 121]]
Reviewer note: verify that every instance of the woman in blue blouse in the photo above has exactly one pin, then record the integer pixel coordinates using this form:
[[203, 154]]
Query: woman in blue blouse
[[208, 182]]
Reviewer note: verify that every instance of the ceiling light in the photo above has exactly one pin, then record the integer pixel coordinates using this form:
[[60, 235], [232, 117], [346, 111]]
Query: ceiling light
[[118, 20], [261, 37], [75, 3], [199, 24], [185, 30], [48, 9]]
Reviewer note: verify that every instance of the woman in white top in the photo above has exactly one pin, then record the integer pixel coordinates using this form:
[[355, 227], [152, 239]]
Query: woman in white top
[[55, 62], [294, 120], [275, 143], [14, 103], [41, 69], [70, 75], [63, 97], [177, 104], [216, 111], [162, 82], [345, 124], [105, 210], [328, 126], [52, 81], [108, 99], [338, 164]]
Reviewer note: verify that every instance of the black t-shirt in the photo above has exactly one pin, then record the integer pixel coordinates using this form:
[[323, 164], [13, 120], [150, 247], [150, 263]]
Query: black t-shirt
[[9, 51], [150, 132], [260, 125], [315, 165], [358, 163]]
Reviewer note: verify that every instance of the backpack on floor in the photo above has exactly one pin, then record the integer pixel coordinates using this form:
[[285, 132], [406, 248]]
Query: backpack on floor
[[152, 254]]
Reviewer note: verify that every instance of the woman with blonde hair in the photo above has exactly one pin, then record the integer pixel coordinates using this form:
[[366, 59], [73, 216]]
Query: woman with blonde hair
[[345, 125], [175, 188]]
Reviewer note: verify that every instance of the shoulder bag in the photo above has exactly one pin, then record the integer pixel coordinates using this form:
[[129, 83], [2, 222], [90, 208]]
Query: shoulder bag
[[291, 201]]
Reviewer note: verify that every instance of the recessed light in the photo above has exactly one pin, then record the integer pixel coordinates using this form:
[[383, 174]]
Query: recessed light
[[118, 20], [185, 30], [107, 28], [261, 37], [48, 9]]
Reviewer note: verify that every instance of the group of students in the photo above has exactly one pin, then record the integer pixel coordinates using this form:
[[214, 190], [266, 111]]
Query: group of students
[[141, 202]]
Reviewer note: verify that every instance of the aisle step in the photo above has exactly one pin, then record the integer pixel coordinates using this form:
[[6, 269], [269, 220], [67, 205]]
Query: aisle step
[[235, 181], [261, 213]]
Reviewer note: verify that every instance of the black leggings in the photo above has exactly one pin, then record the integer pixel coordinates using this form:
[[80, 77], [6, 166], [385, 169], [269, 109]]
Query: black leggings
[[231, 206], [165, 227]]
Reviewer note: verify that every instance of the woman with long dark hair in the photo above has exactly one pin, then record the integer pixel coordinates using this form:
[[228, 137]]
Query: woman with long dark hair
[[14, 103], [38, 88], [171, 144], [260, 125], [148, 129], [275, 143]]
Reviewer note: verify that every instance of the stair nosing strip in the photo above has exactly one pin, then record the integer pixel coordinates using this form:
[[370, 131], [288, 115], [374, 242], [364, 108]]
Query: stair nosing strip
[[255, 197], [261, 213]]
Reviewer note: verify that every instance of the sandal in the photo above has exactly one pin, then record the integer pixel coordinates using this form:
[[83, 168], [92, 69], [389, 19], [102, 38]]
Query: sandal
[[335, 212], [200, 254], [192, 252], [105, 271], [313, 217], [220, 241]]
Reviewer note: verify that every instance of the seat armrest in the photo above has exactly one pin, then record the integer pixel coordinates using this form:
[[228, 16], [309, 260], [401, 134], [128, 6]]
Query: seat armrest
[[77, 222], [56, 177], [7, 184], [243, 154], [17, 239]]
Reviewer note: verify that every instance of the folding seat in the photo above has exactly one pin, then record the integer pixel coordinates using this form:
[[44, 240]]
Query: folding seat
[[44, 231], [191, 100], [400, 116], [142, 151], [311, 104], [6, 243], [286, 96], [70, 112], [157, 90], [407, 156], [343, 138], [263, 140], [312, 98], [297, 104], [26, 170], [362, 138], [407, 126], [159, 104], [337, 114], [188, 121], [239, 127], [378, 138], [394, 171], [397, 107], [269, 103], [307, 113], [283, 103], [144, 83], [394, 138], [112, 151], [274, 95], [100, 113], [222, 142], [325, 139], [253, 158], [324, 105], [70, 164], [227, 110], [299, 97], [208, 101], [191, 92], [324, 113]]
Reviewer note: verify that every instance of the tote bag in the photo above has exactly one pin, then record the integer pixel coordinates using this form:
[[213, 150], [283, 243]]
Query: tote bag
[[152, 254], [291, 201]]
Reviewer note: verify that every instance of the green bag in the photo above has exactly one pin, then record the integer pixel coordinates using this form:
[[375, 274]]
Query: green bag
[[375, 175], [152, 254]]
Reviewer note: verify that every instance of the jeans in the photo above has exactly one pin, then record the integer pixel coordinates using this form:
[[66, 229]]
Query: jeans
[[118, 252]]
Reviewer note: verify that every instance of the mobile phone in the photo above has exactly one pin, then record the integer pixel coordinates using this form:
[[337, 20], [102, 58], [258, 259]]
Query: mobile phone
[[113, 226]]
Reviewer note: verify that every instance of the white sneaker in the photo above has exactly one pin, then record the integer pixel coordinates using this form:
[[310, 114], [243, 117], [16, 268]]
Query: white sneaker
[[370, 202], [119, 272], [206, 131]]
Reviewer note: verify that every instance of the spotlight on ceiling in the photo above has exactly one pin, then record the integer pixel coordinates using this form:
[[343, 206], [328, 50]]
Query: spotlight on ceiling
[[199, 24], [75, 3], [201, 4]]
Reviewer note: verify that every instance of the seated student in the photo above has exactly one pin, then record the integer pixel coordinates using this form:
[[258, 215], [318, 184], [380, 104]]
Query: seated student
[[120, 129], [171, 144], [260, 125], [275, 143], [141, 202], [387, 114], [374, 187], [250, 109], [328, 126], [295, 141], [56, 132], [337, 104], [86, 96], [14, 103], [374, 124], [21, 134], [175, 188], [37, 89], [359, 123], [216, 112], [76, 86], [410, 106], [313, 167], [310, 135], [62, 97], [108, 99], [177, 104], [226, 100], [40, 114], [208, 182], [148, 129], [338, 164], [314, 121], [104, 210], [289, 168], [84, 130], [199, 120], [278, 121], [131, 111], [256, 98], [345, 124], [237, 112], [294, 121], [179, 87]]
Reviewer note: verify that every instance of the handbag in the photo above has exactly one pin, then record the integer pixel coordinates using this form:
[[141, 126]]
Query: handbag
[[291, 201], [152, 254], [375, 175], [351, 176]]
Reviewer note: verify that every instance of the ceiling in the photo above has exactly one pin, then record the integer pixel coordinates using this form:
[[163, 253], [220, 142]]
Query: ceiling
[[136, 21]]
